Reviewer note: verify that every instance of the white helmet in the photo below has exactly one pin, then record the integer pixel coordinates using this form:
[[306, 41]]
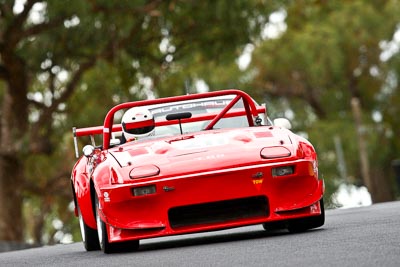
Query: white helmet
[[137, 122]]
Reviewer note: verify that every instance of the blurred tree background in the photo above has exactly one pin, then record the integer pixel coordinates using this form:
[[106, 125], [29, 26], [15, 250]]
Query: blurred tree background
[[331, 67]]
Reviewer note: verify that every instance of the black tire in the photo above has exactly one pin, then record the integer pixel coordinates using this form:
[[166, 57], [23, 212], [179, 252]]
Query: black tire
[[304, 224], [89, 235], [105, 245]]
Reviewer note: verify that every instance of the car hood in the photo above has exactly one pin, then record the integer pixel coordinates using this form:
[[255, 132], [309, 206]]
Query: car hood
[[203, 151]]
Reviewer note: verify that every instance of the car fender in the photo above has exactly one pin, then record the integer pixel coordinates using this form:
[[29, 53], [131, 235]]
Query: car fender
[[82, 192]]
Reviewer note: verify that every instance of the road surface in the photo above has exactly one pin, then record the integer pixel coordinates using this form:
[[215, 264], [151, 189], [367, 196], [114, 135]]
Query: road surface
[[367, 236]]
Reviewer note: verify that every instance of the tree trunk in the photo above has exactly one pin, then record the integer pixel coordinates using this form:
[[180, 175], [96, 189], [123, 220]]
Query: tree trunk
[[11, 222], [382, 189], [362, 144], [377, 184], [13, 132], [11, 176]]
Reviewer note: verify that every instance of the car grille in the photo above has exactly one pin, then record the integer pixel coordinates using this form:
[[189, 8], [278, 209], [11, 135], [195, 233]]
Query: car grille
[[218, 212]]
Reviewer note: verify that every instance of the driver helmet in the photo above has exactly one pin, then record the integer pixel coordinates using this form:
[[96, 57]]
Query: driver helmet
[[137, 122]]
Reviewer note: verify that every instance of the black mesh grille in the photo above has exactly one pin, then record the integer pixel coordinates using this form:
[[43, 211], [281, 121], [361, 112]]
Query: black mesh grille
[[218, 212]]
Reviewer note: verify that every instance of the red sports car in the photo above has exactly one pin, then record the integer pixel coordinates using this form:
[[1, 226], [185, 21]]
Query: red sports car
[[192, 163]]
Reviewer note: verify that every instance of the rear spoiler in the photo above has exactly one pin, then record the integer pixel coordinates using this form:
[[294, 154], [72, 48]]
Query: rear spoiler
[[250, 110], [91, 132]]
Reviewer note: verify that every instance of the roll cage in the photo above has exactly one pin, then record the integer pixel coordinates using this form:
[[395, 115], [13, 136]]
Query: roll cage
[[251, 111]]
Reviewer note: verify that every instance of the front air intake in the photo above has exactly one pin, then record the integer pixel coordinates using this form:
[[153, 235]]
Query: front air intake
[[218, 212]]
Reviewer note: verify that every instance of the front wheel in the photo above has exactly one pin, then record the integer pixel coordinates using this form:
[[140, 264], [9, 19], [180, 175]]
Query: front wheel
[[105, 245], [89, 235], [304, 224]]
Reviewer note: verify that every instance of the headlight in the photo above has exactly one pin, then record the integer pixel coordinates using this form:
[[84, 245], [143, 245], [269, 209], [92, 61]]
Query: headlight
[[274, 152], [144, 171]]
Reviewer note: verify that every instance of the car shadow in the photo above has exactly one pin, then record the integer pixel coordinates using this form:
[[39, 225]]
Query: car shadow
[[187, 240]]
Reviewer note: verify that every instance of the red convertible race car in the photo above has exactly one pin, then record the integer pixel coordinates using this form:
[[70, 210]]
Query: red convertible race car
[[188, 164]]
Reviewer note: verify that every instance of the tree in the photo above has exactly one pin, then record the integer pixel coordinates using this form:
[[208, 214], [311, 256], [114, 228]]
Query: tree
[[62, 59], [329, 56]]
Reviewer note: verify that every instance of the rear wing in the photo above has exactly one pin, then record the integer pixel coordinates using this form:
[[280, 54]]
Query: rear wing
[[251, 111]]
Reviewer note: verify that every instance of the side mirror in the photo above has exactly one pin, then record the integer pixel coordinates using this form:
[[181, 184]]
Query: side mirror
[[283, 122], [88, 150]]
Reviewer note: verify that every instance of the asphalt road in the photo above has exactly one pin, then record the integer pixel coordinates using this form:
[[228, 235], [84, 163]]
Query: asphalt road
[[368, 236]]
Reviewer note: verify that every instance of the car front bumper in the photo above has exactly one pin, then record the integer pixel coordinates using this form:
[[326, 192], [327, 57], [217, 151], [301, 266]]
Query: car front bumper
[[211, 200]]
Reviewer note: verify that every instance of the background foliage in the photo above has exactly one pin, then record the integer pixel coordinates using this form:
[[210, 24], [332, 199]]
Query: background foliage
[[68, 62]]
